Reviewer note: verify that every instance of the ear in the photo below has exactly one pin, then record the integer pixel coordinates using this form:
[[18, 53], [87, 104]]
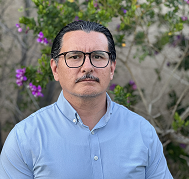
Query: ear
[[112, 69], [54, 69]]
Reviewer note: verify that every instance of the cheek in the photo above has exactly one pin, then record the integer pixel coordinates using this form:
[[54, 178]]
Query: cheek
[[67, 76], [106, 77]]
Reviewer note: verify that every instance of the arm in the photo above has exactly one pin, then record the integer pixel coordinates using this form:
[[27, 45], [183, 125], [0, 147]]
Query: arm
[[157, 168], [12, 162]]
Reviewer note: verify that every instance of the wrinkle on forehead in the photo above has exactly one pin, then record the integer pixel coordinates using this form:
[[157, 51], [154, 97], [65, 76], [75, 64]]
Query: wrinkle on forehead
[[84, 41]]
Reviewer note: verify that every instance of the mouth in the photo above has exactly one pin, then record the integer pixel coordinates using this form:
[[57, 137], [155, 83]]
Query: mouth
[[88, 79]]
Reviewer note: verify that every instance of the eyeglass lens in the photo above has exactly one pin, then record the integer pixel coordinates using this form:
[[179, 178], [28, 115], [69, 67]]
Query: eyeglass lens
[[98, 58]]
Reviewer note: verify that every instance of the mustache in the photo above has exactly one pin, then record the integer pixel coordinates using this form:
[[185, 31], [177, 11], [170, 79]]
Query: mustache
[[87, 76]]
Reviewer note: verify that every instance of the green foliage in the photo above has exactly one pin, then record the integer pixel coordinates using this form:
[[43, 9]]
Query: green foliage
[[178, 123], [161, 41], [177, 155], [119, 40], [139, 38], [121, 96], [181, 41], [126, 95]]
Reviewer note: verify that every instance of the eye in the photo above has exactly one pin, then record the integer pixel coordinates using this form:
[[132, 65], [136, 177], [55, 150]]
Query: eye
[[75, 57], [97, 56]]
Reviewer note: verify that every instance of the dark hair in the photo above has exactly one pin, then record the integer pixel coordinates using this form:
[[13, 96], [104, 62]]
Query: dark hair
[[87, 27]]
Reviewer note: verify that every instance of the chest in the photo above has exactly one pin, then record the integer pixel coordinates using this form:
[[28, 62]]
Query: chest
[[91, 156]]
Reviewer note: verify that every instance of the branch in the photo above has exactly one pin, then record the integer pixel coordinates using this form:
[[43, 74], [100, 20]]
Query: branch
[[185, 114], [13, 34], [169, 79], [178, 78], [179, 138], [178, 101], [32, 98]]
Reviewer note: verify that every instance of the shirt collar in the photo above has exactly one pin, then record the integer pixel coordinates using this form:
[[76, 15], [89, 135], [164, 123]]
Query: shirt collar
[[67, 110], [70, 113]]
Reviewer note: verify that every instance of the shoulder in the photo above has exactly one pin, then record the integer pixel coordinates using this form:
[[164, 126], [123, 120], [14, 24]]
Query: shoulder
[[127, 115], [40, 116], [37, 125], [135, 123]]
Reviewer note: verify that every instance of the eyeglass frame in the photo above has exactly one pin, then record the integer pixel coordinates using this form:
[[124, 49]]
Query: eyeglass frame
[[87, 53]]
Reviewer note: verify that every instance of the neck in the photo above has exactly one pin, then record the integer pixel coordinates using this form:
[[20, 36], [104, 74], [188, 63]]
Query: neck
[[90, 109]]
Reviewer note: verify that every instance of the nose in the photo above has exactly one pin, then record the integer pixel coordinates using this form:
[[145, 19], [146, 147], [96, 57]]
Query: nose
[[87, 67]]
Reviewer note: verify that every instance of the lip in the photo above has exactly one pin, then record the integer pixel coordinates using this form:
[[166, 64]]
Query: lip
[[88, 80]]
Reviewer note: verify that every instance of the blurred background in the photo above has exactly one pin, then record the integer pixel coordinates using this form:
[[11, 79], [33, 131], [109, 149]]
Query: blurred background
[[152, 73]]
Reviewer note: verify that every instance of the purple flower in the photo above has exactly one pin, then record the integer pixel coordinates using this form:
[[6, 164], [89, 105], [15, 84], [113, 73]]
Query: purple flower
[[168, 64], [45, 41], [39, 88], [41, 39], [76, 18], [134, 87], [184, 18], [124, 11], [24, 78], [183, 146], [112, 87], [178, 37], [36, 90], [19, 29], [39, 94], [20, 76], [118, 27], [17, 25], [33, 92], [95, 4], [131, 82], [156, 52], [40, 35], [27, 30]]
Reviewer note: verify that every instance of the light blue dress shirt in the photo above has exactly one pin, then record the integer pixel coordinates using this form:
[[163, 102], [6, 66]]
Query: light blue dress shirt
[[53, 143]]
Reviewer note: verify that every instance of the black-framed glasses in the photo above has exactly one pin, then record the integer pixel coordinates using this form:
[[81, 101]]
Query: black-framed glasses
[[75, 59]]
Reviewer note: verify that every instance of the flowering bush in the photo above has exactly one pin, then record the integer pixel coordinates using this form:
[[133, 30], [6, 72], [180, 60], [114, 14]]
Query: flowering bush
[[126, 95]]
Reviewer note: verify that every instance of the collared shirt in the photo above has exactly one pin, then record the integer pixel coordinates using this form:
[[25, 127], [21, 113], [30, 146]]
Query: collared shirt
[[53, 143]]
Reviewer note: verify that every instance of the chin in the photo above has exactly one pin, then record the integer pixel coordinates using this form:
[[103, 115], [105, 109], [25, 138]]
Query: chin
[[89, 94]]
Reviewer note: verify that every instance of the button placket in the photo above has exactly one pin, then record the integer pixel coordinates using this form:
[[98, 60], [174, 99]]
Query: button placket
[[95, 155]]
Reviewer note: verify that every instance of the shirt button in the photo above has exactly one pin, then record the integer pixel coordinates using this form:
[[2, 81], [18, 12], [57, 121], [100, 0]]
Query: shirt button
[[92, 132], [95, 158], [74, 120]]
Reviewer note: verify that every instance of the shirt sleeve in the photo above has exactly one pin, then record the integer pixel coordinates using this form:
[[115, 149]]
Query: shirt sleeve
[[157, 165], [12, 163]]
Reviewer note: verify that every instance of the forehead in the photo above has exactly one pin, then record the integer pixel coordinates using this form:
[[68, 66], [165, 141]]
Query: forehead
[[84, 41]]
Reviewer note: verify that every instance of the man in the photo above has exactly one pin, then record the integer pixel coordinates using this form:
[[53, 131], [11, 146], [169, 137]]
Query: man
[[84, 135]]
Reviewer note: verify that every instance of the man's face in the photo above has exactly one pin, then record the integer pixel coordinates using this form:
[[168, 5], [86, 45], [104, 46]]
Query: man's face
[[86, 42]]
